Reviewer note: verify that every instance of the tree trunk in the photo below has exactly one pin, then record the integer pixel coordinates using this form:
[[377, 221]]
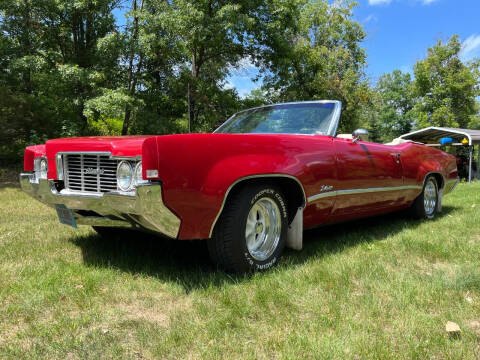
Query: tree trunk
[[192, 93], [132, 77], [27, 27]]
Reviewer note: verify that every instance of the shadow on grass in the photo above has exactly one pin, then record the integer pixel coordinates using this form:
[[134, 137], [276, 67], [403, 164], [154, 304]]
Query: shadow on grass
[[187, 263], [336, 237], [9, 185]]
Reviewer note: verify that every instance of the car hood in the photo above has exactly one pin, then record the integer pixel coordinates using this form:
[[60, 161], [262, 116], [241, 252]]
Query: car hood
[[116, 145]]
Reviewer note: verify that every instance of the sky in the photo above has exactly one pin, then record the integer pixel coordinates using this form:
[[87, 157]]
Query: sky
[[399, 33]]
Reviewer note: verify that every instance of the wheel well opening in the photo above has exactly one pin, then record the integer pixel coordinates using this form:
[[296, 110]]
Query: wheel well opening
[[290, 188], [440, 181]]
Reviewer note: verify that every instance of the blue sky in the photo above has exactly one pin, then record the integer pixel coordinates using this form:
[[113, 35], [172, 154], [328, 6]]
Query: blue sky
[[400, 31], [398, 34]]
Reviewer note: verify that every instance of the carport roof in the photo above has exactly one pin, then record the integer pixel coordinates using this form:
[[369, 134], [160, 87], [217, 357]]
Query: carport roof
[[432, 135]]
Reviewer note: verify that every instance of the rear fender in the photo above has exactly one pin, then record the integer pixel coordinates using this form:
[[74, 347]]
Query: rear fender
[[431, 167]]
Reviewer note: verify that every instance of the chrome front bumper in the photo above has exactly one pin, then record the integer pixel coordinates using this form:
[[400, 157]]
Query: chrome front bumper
[[145, 209]]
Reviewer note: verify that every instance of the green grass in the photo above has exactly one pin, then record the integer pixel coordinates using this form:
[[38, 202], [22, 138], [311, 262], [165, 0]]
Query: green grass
[[377, 288]]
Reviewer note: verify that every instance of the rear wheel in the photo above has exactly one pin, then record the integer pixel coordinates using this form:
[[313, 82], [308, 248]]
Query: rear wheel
[[426, 204], [250, 234]]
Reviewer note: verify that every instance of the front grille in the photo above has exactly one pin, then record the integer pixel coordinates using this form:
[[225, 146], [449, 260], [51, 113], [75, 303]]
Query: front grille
[[93, 173]]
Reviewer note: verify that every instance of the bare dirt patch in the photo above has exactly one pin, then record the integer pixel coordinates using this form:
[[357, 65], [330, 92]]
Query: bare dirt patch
[[475, 326], [158, 312]]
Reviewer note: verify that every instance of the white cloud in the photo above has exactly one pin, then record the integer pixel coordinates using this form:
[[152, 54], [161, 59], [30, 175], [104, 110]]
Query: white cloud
[[229, 84], [241, 77], [470, 47], [370, 18], [427, 2]]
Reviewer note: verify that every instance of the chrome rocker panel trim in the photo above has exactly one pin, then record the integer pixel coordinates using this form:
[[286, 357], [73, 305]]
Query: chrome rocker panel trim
[[145, 209], [361, 191], [448, 187]]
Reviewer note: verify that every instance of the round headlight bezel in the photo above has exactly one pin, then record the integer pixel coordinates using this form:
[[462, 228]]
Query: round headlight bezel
[[129, 175]]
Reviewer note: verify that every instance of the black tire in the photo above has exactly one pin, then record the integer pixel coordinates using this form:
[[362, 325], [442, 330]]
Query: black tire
[[228, 246], [419, 208]]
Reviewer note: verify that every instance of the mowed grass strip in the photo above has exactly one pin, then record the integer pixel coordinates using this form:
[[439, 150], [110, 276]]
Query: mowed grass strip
[[381, 288]]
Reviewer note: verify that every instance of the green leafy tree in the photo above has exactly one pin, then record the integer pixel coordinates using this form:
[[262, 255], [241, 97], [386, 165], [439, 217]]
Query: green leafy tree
[[51, 66], [396, 104], [215, 38], [447, 88], [317, 55]]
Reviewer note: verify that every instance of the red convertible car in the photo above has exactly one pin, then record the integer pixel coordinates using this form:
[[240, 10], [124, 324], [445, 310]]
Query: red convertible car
[[250, 188]]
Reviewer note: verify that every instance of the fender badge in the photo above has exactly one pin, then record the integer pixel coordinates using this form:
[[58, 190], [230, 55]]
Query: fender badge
[[325, 188]]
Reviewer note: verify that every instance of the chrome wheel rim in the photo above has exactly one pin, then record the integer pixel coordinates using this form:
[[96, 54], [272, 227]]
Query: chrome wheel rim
[[263, 229], [430, 197]]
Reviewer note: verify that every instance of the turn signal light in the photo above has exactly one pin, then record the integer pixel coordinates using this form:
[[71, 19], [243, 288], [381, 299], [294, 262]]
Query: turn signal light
[[152, 174]]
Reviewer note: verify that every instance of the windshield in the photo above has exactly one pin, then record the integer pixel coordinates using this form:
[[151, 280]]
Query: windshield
[[301, 118]]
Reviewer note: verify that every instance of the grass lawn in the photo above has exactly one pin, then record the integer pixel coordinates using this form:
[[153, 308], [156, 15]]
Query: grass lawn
[[378, 288]]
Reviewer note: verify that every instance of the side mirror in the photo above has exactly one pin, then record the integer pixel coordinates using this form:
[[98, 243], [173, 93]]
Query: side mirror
[[360, 134]]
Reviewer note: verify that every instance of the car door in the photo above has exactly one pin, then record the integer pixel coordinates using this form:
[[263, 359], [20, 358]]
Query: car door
[[369, 177], [319, 178]]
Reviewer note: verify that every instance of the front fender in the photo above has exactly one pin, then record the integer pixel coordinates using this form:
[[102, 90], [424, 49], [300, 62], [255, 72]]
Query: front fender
[[229, 170], [197, 171], [31, 152]]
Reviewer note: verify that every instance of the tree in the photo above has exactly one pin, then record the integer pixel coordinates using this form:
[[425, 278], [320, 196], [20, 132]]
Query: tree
[[51, 65], [215, 37], [447, 88], [316, 54], [396, 103]]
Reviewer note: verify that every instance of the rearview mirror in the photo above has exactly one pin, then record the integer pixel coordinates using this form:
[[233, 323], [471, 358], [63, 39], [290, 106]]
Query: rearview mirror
[[360, 134]]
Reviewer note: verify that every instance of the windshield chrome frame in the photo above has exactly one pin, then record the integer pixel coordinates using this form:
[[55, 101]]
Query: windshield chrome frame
[[332, 130]]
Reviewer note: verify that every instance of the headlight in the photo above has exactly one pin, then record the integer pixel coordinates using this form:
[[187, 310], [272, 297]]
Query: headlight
[[124, 176], [41, 168], [138, 174]]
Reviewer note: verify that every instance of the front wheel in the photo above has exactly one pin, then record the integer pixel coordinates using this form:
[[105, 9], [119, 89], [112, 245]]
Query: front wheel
[[250, 234], [426, 204]]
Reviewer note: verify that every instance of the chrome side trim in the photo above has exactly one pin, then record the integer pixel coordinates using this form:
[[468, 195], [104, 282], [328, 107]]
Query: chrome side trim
[[382, 189], [254, 177], [322, 196], [362, 191]]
